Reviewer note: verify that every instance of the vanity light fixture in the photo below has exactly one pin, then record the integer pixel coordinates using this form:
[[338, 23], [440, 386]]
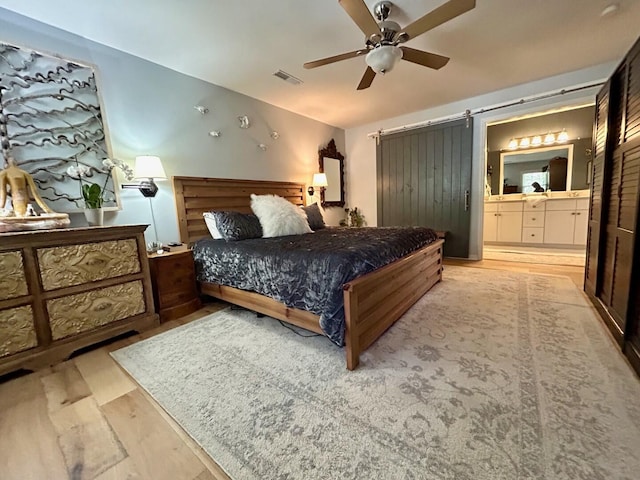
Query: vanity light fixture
[[538, 140]]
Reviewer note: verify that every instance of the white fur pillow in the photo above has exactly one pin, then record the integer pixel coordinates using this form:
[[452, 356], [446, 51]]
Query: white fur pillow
[[278, 216]]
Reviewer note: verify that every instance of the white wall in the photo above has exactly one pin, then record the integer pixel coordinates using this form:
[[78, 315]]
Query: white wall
[[149, 110], [361, 150]]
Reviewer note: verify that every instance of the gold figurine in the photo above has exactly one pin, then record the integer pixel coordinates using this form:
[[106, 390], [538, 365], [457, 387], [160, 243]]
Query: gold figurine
[[20, 182]]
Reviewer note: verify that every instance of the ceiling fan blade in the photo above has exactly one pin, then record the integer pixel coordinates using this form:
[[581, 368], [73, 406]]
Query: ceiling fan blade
[[335, 58], [359, 13], [367, 79], [426, 59], [436, 17]]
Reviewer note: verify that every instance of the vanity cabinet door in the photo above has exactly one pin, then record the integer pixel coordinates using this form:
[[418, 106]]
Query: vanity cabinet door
[[510, 227], [490, 222], [581, 228], [559, 226]]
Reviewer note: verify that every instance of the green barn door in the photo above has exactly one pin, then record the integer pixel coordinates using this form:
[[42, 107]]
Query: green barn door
[[424, 179]]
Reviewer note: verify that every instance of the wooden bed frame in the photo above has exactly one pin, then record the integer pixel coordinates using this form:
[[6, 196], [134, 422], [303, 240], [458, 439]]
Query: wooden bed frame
[[372, 302]]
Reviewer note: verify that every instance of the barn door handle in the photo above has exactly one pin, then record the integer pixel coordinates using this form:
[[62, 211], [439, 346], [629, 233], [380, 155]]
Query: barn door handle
[[466, 200]]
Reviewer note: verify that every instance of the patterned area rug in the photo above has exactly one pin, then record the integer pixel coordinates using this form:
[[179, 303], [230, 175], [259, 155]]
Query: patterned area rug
[[524, 257], [491, 375]]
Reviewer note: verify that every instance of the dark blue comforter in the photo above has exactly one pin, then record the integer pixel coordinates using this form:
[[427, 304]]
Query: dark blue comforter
[[307, 271]]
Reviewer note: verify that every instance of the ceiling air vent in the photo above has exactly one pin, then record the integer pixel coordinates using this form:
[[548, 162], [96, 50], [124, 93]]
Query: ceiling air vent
[[288, 77]]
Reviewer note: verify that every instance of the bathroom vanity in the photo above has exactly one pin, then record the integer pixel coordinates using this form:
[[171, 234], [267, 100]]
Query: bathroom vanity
[[553, 219]]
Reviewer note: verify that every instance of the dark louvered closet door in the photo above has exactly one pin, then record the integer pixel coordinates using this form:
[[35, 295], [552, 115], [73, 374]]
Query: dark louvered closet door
[[424, 179], [597, 184], [622, 203], [612, 277]]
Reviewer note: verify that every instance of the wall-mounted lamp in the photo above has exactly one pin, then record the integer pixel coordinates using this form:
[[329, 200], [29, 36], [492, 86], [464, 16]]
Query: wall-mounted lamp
[[319, 180], [538, 140], [147, 169]]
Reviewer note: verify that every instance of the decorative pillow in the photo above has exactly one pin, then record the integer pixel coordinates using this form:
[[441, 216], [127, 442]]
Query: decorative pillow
[[314, 216], [278, 216], [210, 220], [235, 225]]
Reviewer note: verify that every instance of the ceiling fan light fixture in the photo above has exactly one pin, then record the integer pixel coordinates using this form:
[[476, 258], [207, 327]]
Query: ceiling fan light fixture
[[382, 59]]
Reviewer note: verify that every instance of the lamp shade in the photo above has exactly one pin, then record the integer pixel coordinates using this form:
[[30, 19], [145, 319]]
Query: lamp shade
[[382, 59], [319, 180], [149, 166]]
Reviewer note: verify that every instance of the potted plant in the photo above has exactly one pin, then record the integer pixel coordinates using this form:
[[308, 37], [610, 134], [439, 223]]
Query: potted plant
[[92, 193], [355, 218]]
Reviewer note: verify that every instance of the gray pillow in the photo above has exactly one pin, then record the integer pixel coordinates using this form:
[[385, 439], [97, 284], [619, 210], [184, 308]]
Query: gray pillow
[[314, 217], [237, 226]]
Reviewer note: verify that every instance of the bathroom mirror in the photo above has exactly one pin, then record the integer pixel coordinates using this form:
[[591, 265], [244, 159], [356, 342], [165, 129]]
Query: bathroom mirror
[[332, 165], [536, 170]]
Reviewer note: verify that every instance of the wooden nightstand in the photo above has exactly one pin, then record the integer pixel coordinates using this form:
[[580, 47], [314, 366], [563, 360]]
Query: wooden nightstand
[[174, 283]]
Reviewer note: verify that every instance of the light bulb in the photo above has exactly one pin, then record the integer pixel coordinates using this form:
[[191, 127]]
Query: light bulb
[[549, 138], [525, 142], [536, 141], [563, 136], [513, 144]]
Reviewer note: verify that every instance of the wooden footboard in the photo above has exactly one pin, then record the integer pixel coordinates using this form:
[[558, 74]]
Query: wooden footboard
[[372, 302]]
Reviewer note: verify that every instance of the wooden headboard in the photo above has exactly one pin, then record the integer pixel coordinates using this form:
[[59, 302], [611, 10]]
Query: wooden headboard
[[196, 195]]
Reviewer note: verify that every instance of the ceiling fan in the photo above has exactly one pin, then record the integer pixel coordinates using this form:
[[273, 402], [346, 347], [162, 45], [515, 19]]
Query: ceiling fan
[[383, 37]]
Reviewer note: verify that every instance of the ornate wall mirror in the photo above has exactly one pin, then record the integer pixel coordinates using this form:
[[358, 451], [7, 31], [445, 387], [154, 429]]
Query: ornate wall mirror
[[332, 165]]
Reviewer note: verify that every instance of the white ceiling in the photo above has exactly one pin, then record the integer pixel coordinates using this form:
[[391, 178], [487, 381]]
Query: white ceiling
[[239, 44]]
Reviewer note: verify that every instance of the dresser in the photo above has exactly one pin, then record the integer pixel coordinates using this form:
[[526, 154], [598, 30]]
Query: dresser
[[61, 290]]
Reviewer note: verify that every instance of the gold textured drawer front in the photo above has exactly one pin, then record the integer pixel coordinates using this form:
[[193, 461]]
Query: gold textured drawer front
[[12, 281], [86, 311], [16, 330], [77, 264]]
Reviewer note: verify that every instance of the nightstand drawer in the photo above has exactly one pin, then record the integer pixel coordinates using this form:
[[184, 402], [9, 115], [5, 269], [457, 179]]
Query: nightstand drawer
[[175, 276], [176, 298]]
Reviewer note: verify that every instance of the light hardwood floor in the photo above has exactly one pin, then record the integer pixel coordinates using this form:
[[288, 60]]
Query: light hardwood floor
[[87, 419]]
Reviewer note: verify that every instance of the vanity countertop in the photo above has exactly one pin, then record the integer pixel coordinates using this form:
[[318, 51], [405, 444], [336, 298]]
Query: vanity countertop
[[546, 196]]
